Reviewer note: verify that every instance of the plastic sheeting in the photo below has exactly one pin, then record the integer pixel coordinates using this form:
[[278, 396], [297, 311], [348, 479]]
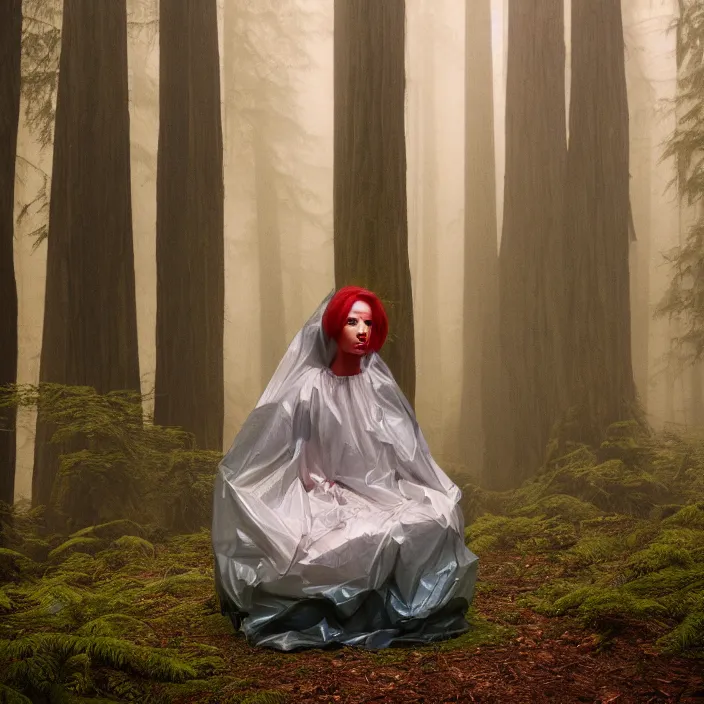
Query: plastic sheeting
[[332, 523]]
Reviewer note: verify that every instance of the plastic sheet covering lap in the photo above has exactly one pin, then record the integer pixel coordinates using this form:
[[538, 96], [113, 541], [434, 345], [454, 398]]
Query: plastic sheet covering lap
[[332, 523]]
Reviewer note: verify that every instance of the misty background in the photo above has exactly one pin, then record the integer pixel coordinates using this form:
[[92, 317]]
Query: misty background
[[276, 87]]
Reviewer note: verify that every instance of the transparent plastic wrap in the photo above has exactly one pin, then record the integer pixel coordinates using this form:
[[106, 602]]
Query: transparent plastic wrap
[[332, 523]]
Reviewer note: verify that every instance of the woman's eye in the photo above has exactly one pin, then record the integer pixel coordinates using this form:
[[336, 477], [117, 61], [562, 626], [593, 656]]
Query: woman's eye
[[351, 321]]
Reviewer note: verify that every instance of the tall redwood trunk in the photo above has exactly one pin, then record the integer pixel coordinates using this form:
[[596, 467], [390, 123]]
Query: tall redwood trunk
[[10, 73], [601, 374], [370, 214], [531, 291], [190, 225], [90, 319]]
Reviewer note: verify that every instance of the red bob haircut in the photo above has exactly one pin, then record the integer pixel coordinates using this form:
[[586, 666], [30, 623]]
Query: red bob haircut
[[336, 313]]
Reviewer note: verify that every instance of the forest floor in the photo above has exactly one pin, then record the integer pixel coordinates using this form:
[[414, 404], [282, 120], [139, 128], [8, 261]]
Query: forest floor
[[512, 654], [147, 616], [590, 589]]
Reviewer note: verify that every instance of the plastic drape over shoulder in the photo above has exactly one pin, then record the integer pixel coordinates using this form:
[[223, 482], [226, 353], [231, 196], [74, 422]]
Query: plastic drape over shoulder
[[332, 523]]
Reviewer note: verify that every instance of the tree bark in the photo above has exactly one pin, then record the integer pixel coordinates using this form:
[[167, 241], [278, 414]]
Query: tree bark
[[530, 263], [90, 319], [10, 73], [480, 392], [190, 225], [369, 193], [600, 372]]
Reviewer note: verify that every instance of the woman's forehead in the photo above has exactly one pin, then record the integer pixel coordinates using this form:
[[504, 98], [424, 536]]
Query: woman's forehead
[[360, 308]]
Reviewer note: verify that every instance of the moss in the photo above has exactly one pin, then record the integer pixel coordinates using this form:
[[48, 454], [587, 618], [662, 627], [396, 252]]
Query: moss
[[596, 605], [564, 506], [35, 548], [218, 689], [626, 430], [624, 441], [577, 456], [8, 695], [668, 581], [658, 556], [691, 516], [78, 544], [13, 564], [270, 696], [663, 511], [193, 617], [556, 535], [611, 486], [481, 632], [687, 636], [681, 603], [687, 538], [593, 549], [183, 584], [477, 501], [111, 530], [483, 544], [192, 544], [118, 625], [543, 599], [134, 545], [641, 536], [5, 601], [80, 564], [529, 533]]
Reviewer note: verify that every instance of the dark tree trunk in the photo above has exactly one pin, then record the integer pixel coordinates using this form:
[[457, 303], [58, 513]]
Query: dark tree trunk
[[480, 392], [601, 373], [190, 223], [90, 319], [370, 218], [10, 72], [530, 263]]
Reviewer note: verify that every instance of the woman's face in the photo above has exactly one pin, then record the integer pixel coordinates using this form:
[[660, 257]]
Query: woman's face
[[357, 331]]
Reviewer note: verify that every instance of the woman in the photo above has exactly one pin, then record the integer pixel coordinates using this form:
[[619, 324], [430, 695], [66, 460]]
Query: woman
[[332, 523]]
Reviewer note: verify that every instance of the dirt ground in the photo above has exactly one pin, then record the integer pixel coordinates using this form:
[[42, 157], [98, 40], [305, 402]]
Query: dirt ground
[[515, 655]]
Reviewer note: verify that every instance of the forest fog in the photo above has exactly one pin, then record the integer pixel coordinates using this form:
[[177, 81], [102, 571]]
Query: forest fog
[[216, 466], [276, 82]]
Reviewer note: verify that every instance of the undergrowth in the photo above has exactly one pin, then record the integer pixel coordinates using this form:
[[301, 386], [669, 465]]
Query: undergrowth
[[109, 615], [624, 525], [125, 610]]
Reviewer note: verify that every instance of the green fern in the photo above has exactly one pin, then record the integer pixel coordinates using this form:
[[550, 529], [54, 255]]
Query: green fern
[[689, 517], [688, 635], [668, 581], [39, 655], [116, 626], [183, 584], [122, 685], [134, 545], [8, 695], [78, 544], [13, 564], [504, 532], [111, 530], [656, 557], [593, 549], [264, 697], [563, 506]]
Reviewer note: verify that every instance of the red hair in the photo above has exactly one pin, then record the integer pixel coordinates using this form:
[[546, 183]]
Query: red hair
[[338, 309]]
